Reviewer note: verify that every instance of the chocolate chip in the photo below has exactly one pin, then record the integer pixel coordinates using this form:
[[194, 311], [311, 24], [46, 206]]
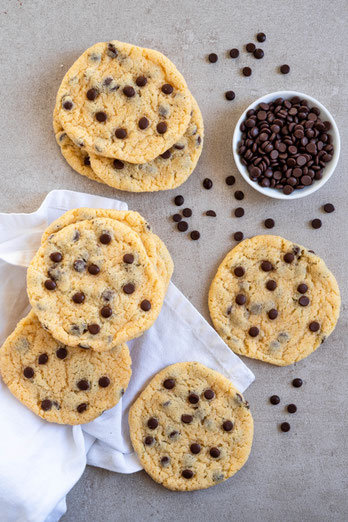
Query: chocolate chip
[[314, 326], [179, 200], [128, 91], [269, 223], [28, 372], [173, 434], [165, 461], [285, 426], [143, 123], [239, 195], [169, 384], [128, 288], [230, 180], [187, 473], [93, 269], [261, 37], [271, 285], [210, 213], [266, 266], [302, 288], [145, 305], [141, 81], [43, 358], [195, 448], [167, 88], [186, 419], [292, 408], [254, 331], [92, 94], [101, 116], [239, 271], [93, 329], [79, 265], [83, 385], [258, 54], [112, 51], [67, 105], [289, 257], [328, 208], [230, 95], [316, 223], [166, 154], [120, 133], [182, 226], [250, 47], [234, 53], [78, 298], [246, 71], [105, 238], [213, 58], [61, 353], [177, 218], [297, 383], [152, 423], [240, 299], [304, 301], [193, 398], [50, 284], [106, 312], [227, 425], [274, 399], [195, 235], [87, 161], [46, 405], [187, 212], [285, 69], [238, 236], [118, 164], [207, 183], [239, 212], [81, 408], [56, 257], [209, 394], [161, 127], [273, 314], [214, 452], [149, 440]]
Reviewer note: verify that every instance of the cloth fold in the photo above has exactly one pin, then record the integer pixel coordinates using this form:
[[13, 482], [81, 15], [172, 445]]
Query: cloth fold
[[40, 462]]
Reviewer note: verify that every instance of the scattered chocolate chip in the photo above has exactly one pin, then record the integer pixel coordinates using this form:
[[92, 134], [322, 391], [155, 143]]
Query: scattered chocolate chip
[[297, 383], [56, 257], [128, 91], [261, 37], [254, 331], [250, 47], [314, 326], [285, 426], [230, 95], [207, 183], [195, 235], [152, 423], [93, 329], [128, 258], [50, 284], [195, 448], [121, 134], [101, 116], [83, 385], [275, 399], [92, 94], [128, 288], [46, 405], [292, 408], [177, 218], [186, 419], [179, 200], [213, 58], [106, 312], [239, 271], [269, 223], [266, 266], [304, 301], [258, 54], [141, 81], [187, 473], [145, 305], [289, 257], [61, 353], [227, 425], [78, 298], [82, 407], [328, 208], [239, 212], [79, 265], [143, 123], [187, 212], [239, 195], [104, 381], [271, 285], [285, 69], [316, 223], [43, 358], [210, 213], [105, 239], [67, 105], [234, 53], [161, 127], [193, 398], [214, 452], [302, 288], [240, 299], [209, 394], [238, 236], [273, 314], [182, 226], [148, 441], [28, 372], [93, 269], [230, 180], [246, 71]]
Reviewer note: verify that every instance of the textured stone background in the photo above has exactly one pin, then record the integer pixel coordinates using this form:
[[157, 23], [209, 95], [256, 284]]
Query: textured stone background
[[301, 475]]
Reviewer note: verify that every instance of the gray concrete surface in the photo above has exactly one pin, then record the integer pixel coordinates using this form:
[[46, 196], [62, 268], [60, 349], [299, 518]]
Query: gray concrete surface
[[301, 475]]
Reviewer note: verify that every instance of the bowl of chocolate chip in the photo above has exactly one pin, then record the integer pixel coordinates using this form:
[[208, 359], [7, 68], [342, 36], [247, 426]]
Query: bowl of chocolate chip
[[286, 145]]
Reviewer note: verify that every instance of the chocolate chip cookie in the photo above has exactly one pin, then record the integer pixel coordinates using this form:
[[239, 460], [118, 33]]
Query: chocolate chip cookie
[[93, 284], [190, 427], [125, 102], [62, 384], [273, 300], [167, 171]]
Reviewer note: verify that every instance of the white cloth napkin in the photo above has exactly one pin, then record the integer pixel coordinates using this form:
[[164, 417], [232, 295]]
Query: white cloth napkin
[[40, 462]]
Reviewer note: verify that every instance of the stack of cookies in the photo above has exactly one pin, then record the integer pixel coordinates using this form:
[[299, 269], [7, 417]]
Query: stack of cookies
[[124, 116], [98, 280]]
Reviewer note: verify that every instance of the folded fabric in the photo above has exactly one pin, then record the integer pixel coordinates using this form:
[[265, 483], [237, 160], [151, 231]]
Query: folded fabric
[[40, 462]]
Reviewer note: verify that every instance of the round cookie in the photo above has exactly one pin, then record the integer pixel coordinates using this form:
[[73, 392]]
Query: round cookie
[[92, 284], [273, 300], [59, 383], [125, 102], [77, 157], [190, 427], [166, 172]]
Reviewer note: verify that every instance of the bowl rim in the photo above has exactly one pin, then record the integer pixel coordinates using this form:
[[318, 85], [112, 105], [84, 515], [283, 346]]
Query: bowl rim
[[297, 194]]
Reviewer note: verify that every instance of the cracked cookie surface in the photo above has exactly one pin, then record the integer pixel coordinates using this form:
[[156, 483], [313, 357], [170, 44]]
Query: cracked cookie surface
[[62, 384], [124, 101], [190, 427], [273, 300]]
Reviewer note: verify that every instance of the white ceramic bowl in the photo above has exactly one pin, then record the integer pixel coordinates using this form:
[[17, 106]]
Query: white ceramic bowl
[[328, 170]]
